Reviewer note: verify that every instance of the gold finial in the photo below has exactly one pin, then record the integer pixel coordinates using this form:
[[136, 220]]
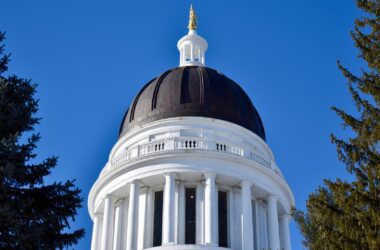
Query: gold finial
[[192, 19]]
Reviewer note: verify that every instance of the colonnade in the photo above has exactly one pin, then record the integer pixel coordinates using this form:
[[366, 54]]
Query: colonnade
[[118, 226]]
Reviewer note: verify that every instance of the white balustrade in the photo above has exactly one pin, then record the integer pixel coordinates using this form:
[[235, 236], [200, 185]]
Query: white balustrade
[[187, 143], [228, 148], [122, 158], [151, 147]]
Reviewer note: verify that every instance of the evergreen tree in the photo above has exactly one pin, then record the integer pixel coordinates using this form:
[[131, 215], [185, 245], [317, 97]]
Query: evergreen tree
[[346, 214], [33, 215]]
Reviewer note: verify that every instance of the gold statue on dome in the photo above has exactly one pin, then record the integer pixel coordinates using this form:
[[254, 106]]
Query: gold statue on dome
[[193, 23]]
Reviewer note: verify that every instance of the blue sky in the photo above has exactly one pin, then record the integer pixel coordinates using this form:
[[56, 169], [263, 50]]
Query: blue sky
[[91, 57]]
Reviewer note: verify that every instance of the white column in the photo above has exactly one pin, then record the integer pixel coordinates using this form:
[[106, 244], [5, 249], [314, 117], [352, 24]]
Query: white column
[[216, 215], [199, 215], [257, 224], [123, 230], [108, 223], [231, 216], [176, 212], [284, 231], [142, 217], [149, 220], [181, 214], [246, 218], [96, 232], [274, 239], [168, 210], [237, 231], [119, 217], [211, 221], [133, 212], [263, 225]]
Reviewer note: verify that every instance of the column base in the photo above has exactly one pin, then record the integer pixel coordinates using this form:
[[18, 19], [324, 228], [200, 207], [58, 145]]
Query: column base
[[188, 247], [168, 244], [211, 244]]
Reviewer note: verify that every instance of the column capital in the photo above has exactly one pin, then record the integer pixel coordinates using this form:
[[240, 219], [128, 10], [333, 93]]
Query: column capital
[[272, 197], [285, 216], [209, 175], [135, 181], [119, 202], [97, 214], [246, 183], [144, 189], [110, 197], [170, 174]]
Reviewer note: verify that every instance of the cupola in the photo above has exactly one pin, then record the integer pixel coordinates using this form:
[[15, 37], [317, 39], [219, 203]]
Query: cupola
[[192, 47]]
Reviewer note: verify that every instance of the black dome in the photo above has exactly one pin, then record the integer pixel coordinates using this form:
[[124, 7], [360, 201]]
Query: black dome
[[192, 91]]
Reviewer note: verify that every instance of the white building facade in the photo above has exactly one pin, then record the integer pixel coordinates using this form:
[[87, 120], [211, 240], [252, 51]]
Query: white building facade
[[191, 168]]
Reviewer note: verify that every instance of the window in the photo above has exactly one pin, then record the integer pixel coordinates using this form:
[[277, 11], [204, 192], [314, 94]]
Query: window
[[188, 53], [222, 219], [190, 215], [157, 220]]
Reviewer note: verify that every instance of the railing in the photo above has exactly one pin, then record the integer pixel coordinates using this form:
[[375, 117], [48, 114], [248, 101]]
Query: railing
[[260, 159], [188, 143], [120, 159], [223, 147], [151, 147]]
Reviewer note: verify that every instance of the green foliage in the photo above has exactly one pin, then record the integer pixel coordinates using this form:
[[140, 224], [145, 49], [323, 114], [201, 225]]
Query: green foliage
[[33, 215], [342, 214]]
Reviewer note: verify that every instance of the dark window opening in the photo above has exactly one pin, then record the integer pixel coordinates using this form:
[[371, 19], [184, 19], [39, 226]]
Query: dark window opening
[[157, 223], [190, 215], [222, 219]]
